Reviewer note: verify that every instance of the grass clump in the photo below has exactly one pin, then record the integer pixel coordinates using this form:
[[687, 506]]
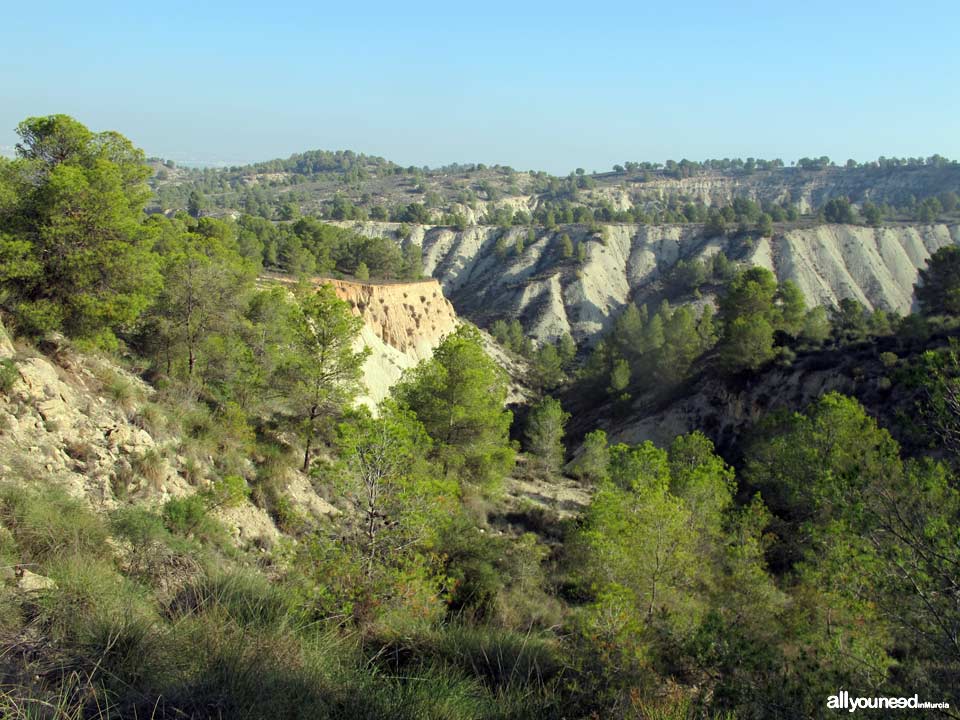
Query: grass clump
[[8, 375], [47, 523], [151, 466], [120, 389]]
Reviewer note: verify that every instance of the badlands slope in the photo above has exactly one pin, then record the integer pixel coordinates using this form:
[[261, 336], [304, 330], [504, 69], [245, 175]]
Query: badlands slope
[[877, 266]]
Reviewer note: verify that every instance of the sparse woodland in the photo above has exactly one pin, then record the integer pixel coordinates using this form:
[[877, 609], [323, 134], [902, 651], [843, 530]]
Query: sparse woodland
[[818, 553]]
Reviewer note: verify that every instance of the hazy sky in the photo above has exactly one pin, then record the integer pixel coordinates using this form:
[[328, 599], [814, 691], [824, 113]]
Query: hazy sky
[[531, 85]]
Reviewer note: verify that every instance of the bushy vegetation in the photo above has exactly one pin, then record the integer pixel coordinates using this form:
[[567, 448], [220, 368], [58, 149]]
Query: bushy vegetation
[[817, 555]]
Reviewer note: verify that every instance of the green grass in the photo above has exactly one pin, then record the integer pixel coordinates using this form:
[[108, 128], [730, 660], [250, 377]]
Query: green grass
[[47, 523]]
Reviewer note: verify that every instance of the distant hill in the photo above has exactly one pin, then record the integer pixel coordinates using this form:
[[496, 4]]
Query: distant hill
[[343, 185]]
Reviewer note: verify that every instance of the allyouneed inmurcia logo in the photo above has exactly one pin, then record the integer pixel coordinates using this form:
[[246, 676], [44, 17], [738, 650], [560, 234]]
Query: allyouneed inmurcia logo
[[843, 701]]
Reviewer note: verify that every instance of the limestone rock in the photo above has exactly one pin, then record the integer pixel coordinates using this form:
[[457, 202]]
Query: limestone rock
[[31, 582]]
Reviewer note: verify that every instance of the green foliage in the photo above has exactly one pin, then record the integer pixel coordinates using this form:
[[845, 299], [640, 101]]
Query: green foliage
[[184, 515], [938, 286], [8, 375], [46, 524], [511, 336], [544, 433], [548, 367], [401, 502], [75, 254], [459, 395], [619, 378], [207, 285], [642, 552], [322, 371], [765, 225], [816, 326], [655, 351], [872, 214], [838, 210], [747, 343], [753, 308], [849, 321], [849, 507], [592, 465]]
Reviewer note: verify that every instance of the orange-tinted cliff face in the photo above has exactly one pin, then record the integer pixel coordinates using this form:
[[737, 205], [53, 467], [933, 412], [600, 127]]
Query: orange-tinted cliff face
[[410, 317]]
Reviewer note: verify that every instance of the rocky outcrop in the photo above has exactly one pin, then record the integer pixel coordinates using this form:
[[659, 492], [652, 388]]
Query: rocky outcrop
[[80, 422], [877, 266], [402, 324], [485, 279]]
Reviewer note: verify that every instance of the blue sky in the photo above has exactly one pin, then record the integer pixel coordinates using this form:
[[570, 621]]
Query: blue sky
[[532, 85]]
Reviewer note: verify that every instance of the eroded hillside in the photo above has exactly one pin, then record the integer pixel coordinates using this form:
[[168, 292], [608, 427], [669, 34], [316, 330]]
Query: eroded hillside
[[486, 277], [83, 423], [403, 323]]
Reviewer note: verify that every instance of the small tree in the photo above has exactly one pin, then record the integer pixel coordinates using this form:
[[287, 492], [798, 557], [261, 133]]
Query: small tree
[[592, 465], [765, 225], [838, 210], [196, 203], [544, 433], [619, 377], [400, 503], [548, 367], [567, 349], [747, 343], [460, 396], [323, 370], [938, 286]]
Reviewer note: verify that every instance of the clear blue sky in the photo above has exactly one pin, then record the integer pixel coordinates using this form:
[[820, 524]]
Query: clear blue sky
[[532, 85]]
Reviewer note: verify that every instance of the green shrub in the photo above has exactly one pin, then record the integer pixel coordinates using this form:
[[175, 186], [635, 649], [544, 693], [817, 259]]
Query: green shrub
[[501, 659], [185, 515], [119, 388], [8, 375], [139, 525], [151, 418], [888, 359], [197, 422]]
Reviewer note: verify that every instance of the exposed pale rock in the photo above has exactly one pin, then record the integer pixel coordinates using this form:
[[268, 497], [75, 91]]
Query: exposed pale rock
[[402, 324], [877, 266], [6, 346], [31, 582]]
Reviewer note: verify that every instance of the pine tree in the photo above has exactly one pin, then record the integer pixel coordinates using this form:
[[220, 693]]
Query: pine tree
[[544, 433], [75, 252], [323, 371], [460, 396]]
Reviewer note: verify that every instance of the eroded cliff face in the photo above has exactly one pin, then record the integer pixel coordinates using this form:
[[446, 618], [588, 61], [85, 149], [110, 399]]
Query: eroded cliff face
[[402, 324], [485, 279], [410, 317]]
